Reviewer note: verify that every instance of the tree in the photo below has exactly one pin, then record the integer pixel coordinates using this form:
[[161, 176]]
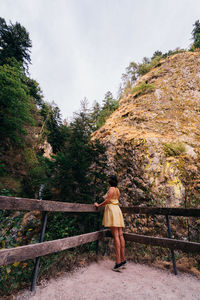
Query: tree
[[35, 91], [131, 74], [15, 104], [80, 166], [109, 105], [157, 53], [53, 126], [95, 113], [196, 34], [14, 42], [135, 70]]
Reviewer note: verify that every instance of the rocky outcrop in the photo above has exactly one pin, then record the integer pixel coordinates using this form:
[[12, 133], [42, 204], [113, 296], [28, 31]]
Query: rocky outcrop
[[47, 149], [153, 138]]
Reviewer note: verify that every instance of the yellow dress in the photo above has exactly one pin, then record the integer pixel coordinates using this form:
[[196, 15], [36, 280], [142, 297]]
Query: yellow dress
[[113, 215]]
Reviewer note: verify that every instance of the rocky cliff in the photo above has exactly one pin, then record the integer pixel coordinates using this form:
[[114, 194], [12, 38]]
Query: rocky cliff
[[153, 138]]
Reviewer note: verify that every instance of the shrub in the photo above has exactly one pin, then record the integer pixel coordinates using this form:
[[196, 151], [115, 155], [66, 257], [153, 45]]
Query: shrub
[[174, 148], [142, 88], [148, 64]]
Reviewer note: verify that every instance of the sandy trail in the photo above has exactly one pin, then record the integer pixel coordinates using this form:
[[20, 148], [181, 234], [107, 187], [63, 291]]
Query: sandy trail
[[99, 282]]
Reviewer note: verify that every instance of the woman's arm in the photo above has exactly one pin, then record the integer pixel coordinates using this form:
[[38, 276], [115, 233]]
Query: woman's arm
[[108, 197], [101, 204]]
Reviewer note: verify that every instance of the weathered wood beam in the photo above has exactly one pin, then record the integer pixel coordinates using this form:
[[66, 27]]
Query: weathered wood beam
[[174, 211], [163, 242], [13, 203], [9, 256]]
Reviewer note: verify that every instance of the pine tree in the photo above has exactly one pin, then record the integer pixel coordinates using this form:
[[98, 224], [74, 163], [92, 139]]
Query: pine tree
[[14, 42], [196, 34], [109, 105], [15, 105], [80, 166]]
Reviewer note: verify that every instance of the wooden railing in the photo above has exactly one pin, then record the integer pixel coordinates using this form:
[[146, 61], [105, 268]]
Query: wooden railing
[[21, 253], [163, 242]]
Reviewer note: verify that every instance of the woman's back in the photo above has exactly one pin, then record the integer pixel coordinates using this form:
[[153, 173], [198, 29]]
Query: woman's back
[[114, 193]]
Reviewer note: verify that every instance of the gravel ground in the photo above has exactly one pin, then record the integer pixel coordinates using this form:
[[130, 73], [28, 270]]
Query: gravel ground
[[99, 282]]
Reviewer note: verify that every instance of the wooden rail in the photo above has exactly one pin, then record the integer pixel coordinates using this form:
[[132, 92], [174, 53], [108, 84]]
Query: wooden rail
[[9, 256], [163, 242], [21, 253], [13, 203], [184, 246], [173, 211]]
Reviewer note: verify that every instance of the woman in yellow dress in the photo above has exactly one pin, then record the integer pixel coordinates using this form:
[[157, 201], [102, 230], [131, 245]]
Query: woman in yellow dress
[[113, 218]]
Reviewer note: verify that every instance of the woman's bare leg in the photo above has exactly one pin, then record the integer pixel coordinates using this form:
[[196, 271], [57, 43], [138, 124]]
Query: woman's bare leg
[[115, 234], [122, 243]]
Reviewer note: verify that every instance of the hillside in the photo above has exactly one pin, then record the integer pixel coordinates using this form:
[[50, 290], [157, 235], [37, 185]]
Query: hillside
[[153, 138]]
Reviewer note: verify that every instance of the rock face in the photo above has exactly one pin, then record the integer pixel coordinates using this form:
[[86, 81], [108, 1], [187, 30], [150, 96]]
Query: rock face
[[47, 148], [153, 138]]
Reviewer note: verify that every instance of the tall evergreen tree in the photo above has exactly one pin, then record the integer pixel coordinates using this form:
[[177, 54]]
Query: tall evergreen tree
[[196, 34], [14, 42], [15, 104], [109, 105], [53, 126], [81, 165]]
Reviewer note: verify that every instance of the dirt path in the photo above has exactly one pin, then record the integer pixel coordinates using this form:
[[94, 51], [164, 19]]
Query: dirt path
[[99, 282]]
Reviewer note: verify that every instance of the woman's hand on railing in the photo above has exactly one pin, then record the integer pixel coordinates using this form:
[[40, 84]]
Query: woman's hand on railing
[[96, 204]]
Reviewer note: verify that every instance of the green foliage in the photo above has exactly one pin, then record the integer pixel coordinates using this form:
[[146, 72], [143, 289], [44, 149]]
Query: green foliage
[[156, 54], [15, 105], [15, 276], [19, 274], [14, 43], [3, 169], [196, 34], [142, 88], [34, 91], [38, 173], [75, 174], [148, 64], [135, 70], [80, 164], [174, 148], [53, 127], [172, 52], [131, 74], [100, 115]]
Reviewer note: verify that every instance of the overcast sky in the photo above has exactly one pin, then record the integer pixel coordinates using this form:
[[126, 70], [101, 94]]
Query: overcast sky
[[82, 47]]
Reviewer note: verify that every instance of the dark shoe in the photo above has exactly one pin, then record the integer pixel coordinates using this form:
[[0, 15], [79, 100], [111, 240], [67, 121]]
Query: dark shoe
[[124, 264], [117, 267]]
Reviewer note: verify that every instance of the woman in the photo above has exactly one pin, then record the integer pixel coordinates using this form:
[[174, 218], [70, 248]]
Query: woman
[[113, 218]]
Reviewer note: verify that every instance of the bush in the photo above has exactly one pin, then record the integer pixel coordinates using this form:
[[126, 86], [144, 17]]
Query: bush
[[174, 148], [147, 65], [142, 88]]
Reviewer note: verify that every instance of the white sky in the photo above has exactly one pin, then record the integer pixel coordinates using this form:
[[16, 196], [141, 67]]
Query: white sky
[[82, 47]]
